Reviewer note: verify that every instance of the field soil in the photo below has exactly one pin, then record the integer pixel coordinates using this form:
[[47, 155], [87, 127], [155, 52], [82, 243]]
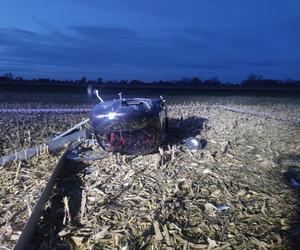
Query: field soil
[[240, 191]]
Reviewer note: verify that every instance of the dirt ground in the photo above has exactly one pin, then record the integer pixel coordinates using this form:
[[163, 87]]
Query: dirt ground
[[240, 191]]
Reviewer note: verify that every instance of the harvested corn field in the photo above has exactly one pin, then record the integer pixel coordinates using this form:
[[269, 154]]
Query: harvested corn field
[[240, 191], [21, 186], [19, 130]]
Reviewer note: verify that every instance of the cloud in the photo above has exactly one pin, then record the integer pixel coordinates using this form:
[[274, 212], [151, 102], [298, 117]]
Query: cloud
[[104, 32], [88, 49], [269, 63], [118, 52], [88, 46]]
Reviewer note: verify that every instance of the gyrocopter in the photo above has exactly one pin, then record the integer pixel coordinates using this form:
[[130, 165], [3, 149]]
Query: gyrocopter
[[131, 126]]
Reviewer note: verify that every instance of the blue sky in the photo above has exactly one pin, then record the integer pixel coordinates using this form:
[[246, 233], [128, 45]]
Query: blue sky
[[150, 40]]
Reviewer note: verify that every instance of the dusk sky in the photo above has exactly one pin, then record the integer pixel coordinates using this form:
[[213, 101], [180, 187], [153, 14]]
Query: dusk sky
[[150, 40]]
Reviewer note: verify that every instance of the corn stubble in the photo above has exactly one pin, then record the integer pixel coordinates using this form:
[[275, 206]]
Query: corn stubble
[[232, 194]]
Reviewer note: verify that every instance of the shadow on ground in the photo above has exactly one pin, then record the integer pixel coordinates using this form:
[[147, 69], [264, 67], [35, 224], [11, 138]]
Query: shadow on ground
[[291, 177], [69, 185], [180, 129]]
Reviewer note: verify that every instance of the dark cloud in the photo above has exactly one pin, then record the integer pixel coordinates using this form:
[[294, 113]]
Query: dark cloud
[[267, 63], [89, 46], [198, 33], [128, 53], [205, 65], [89, 50], [105, 32]]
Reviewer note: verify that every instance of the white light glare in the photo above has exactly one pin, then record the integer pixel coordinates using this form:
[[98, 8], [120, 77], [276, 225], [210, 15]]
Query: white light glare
[[110, 115]]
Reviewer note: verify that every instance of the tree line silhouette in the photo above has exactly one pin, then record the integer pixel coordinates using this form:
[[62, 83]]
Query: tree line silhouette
[[251, 82]]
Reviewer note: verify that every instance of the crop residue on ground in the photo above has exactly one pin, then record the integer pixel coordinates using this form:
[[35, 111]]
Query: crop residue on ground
[[240, 191]]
